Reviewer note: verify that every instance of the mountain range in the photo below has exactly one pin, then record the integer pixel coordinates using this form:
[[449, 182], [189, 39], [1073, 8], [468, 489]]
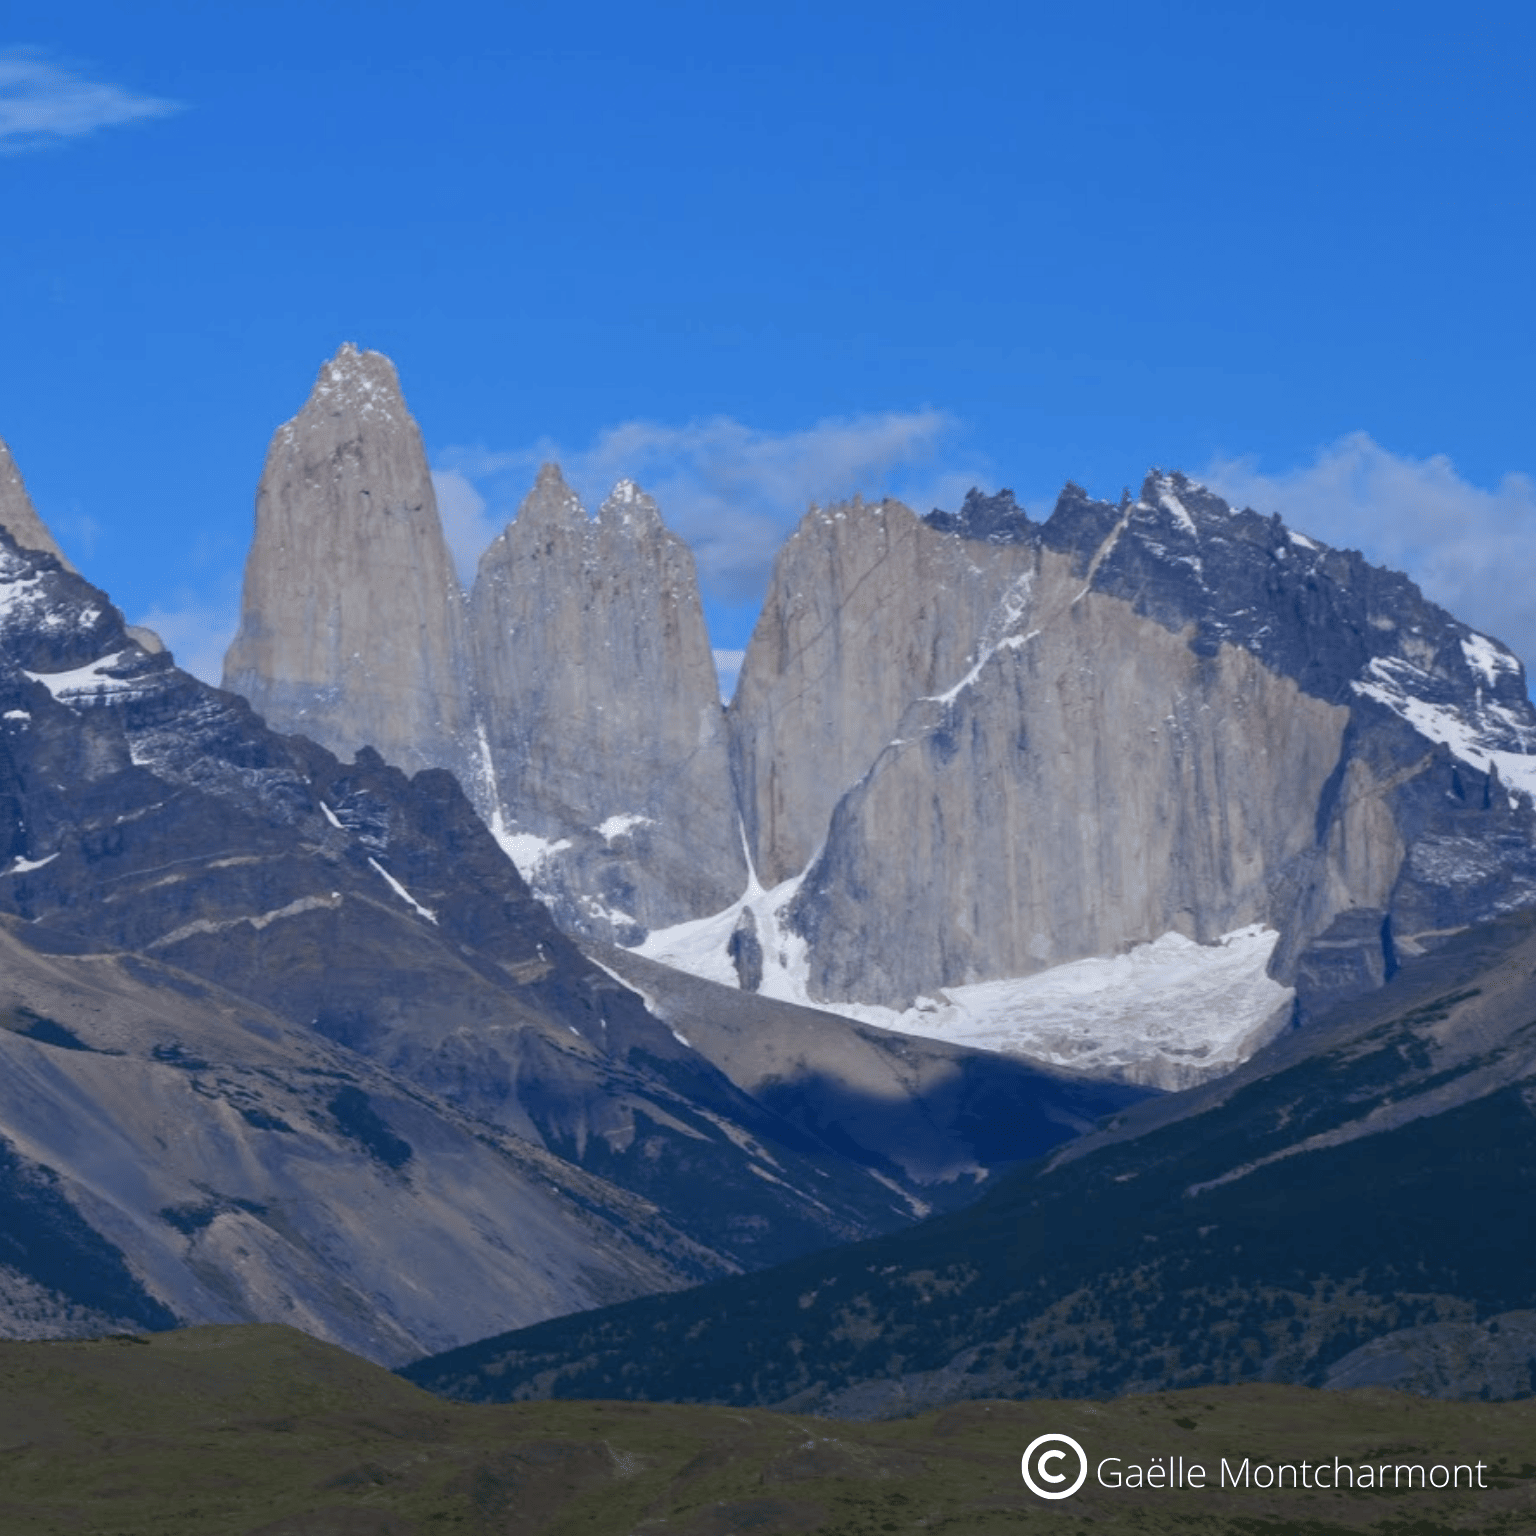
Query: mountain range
[[1350, 1208], [965, 750], [288, 1039], [465, 981]]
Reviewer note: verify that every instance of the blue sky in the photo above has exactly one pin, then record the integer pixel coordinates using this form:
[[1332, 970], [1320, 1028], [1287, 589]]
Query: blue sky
[[757, 254]]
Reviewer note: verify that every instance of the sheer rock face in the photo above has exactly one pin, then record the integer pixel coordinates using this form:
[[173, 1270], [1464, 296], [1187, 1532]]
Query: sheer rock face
[[1056, 741], [867, 610], [981, 745], [1094, 786], [602, 720], [284, 1038], [19, 517], [351, 625]]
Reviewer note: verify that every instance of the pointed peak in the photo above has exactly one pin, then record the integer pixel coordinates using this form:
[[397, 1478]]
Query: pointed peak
[[997, 519], [629, 507], [1180, 497], [19, 517], [357, 382], [551, 503]]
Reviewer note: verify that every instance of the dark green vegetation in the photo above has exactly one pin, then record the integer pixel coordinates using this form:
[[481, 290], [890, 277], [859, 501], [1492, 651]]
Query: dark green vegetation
[[1370, 1178], [261, 1431]]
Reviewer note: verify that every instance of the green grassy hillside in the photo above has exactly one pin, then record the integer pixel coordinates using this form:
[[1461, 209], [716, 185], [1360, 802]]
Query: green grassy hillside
[[261, 1431]]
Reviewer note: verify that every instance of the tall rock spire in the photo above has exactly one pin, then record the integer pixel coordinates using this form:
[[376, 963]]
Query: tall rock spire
[[19, 517], [351, 622], [601, 706]]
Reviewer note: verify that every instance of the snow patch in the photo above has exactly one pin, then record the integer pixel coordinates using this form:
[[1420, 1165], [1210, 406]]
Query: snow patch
[[1169, 1013], [24, 866], [617, 826], [402, 893], [1485, 737], [528, 850], [996, 636], [1173, 505], [701, 947], [93, 682], [1488, 658]]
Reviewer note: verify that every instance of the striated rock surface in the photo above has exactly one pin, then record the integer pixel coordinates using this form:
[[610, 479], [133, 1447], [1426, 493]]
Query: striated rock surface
[[964, 749], [1186, 719], [608, 776], [351, 621], [288, 1038], [867, 609]]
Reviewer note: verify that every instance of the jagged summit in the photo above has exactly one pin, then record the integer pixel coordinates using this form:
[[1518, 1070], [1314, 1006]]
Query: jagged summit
[[968, 748], [551, 504], [351, 622], [629, 509], [19, 517], [366, 380], [998, 519], [1131, 726], [599, 715]]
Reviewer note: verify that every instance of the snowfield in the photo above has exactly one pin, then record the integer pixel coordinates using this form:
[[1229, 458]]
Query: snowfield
[[1169, 1014]]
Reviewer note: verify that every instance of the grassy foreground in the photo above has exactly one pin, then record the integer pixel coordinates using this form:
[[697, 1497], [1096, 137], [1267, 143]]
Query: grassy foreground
[[248, 1430]]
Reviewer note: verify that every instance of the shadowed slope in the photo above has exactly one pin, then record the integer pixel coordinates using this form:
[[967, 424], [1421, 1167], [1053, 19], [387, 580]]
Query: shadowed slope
[[1371, 1177]]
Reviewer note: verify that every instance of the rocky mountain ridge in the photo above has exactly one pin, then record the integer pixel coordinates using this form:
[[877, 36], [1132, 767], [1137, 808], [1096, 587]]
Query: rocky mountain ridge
[[288, 1039], [1347, 1209], [970, 748]]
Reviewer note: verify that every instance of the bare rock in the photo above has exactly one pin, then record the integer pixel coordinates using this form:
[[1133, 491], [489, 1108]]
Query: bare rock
[[608, 773], [351, 621], [867, 610], [19, 517]]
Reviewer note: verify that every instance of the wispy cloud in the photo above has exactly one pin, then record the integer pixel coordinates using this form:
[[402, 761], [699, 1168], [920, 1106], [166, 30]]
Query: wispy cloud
[[468, 526], [44, 103], [1471, 550], [198, 629], [732, 491]]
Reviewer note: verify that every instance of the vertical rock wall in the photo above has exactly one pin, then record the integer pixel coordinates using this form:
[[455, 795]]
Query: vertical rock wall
[[351, 619], [1092, 786], [991, 745], [867, 610], [601, 711]]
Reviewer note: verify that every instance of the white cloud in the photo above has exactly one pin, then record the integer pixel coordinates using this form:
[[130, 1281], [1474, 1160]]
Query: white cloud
[[734, 491], [43, 103], [468, 526], [1471, 550], [198, 631]]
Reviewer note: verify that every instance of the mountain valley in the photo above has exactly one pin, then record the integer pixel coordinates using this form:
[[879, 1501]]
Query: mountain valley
[[1350, 1208], [291, 1041], [1084, 957]]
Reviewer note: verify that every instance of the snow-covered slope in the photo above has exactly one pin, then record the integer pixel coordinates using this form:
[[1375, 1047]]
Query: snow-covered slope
[[964, 749], [1172, 718], [1165, 1014]]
